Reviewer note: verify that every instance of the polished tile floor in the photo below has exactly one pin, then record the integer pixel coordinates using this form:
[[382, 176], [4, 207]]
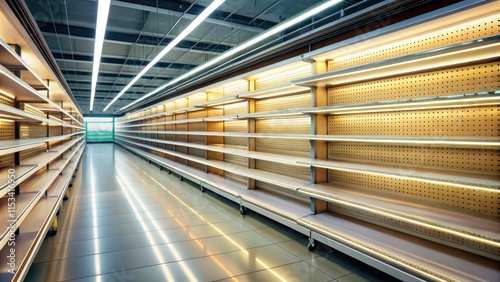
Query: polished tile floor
[[128, 221]]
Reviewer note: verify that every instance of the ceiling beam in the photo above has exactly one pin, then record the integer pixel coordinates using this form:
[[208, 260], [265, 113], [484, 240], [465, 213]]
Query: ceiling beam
[[171, 8], [120, 61]]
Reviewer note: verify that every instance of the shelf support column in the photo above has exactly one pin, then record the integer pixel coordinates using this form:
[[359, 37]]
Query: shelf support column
[[251, 125], [319, 149], [214, 126], [17, 125]]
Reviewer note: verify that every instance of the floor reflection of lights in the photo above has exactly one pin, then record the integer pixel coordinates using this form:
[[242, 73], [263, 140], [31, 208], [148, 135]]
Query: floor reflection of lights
[[259, 261], [97, 261]]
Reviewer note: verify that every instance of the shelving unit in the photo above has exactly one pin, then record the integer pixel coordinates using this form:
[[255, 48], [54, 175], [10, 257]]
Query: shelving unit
[[387, 151], [41, 143]]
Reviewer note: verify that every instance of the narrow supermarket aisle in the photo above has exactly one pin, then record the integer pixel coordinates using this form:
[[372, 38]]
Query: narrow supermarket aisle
[[126, 220]]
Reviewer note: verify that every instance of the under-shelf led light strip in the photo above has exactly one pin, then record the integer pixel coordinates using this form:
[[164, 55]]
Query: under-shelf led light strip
[[278, 28], [405, 219], [102, 19], [195, 23]]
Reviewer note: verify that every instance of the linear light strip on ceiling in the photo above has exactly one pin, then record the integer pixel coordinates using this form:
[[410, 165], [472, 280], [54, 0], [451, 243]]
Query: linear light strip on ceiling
[[100, 30], [278, 28], [195, 23]]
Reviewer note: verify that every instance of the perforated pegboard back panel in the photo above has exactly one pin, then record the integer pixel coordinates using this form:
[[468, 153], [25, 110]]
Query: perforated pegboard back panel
[[275, 189], [466, 159], [197, 126], [7, 130], [237, 88], [462, 80], [181, 126], [198, 98], [299, 172], [466, 122], [197, 114], [235, 177], [55, 130], [283, 77], [196, 165], [449, 36], [235, 160], [283, 103], [236, 108], [33, 131], [198, 139], [235, 126], [7, 133], [6, 102], [196, 152], [169, 106], [34, 112], [300, 125], [474, 200], [6, 160], [293, 125], [31, 152], [181, 103]]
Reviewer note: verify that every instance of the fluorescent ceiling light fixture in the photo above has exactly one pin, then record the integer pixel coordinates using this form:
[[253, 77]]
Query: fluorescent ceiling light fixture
[[278, 28], [100, 30], [170, 46]]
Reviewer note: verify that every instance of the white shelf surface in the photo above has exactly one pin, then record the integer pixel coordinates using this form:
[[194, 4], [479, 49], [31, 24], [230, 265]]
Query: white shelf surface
[[226, 134], [455, 55], [277, 158], [59, 186], [32, 164], [274, 114], [455, 142], [12, 61], [162, 123], [275, 91], [401, 249], [219, 102], [440, 102], [31, 236], [287, 207], [437, 141], [31, 191], [464, 179], [19, 172], [21, 90], [228, 186], [281, 180], [390, 205], [161, 114], [12, 146]]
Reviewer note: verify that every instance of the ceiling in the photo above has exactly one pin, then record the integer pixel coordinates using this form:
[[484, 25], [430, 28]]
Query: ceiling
[[136, 32]]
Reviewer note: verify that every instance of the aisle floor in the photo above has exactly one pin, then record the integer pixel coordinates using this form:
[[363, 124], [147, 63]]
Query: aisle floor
[[126, 220]]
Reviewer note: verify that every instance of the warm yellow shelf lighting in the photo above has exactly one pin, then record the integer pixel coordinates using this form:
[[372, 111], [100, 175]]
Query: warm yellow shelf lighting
[[7, 95], [446, 57], [404, 177], [421, 38], [403, 218], [455, 101], [33, 108], [370, 250]]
